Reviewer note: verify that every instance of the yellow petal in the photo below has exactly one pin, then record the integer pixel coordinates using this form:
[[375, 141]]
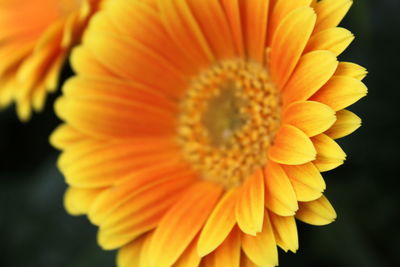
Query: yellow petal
[[145, 256], [38, 97], [340, 92], [330, 13], [53, 75], [289, 41], [249, 209], [306, 180], [311, 117], [77, 201], [317, 212], [246, 262], [292, 147], [329, 154], [261, 249], [220, 223], [285, 230], [24, 108], [172, 236], [129, 255], [280, 10], [351, 70], [7, 89], [347, 122], [280, 197], [65, 136], [83, 61], [189, 258], [313, 71], [335, 40]]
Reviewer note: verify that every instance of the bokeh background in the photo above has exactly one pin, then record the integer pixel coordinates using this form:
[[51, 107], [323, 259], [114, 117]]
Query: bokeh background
[[35, 230]]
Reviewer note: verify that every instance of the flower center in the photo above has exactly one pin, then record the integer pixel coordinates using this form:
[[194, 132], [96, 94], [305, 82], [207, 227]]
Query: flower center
[[228, 120]]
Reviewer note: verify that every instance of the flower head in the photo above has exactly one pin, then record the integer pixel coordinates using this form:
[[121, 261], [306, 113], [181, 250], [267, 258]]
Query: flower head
[[35, 39], [196, 130]]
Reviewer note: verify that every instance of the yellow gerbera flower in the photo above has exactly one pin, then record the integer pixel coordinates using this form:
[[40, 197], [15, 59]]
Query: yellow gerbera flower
[[196, 130], [35, 38]]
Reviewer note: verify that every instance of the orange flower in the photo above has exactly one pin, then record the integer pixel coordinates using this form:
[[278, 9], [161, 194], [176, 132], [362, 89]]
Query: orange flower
[[196, 130], [35, 39]]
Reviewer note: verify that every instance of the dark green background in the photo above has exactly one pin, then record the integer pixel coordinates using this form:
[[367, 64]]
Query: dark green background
[[35, 230]]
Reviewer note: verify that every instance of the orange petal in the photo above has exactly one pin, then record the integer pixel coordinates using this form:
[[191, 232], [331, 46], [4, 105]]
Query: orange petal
[[141, 21], [340, 92], [347, 122], [185, 31], [172, 236], [12, 55], [142, 212], [135, 183], [145, 65], [254, 16], [113, 118], [313, 71], [219, 224], [214, 26], [285, 230], [351, 70], [330, 13], [232, 11], [335, 40], [98, 165], [108, 87], [280, 197], [306, 180], [292, 147], [289, 41], [261, 249], [329, 154], [317, 212], [249, 209], [311, 117]]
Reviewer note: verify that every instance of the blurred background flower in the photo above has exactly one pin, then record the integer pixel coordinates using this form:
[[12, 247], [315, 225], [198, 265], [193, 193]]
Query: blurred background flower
[[36, 231], [35, 39]]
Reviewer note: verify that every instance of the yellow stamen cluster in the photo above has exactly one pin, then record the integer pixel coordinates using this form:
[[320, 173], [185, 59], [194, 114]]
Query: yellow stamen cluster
[[229, 117]]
